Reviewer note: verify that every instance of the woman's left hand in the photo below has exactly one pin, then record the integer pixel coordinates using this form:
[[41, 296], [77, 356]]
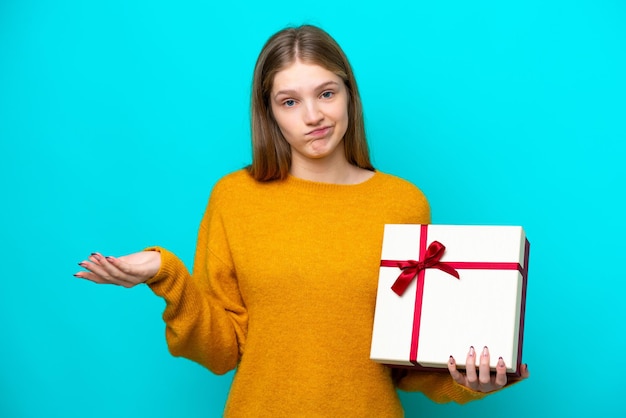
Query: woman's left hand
[[482, 380]]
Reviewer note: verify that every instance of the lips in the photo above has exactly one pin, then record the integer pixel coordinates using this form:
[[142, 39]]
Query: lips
[[319, 131]]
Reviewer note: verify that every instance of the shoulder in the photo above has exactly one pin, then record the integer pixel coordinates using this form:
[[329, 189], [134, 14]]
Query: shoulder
[[403, 199], [233, 181], [231, 188], [395, 184]]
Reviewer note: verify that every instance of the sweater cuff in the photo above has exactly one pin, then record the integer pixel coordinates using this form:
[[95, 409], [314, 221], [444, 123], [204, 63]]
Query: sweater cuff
[[167, 269], [472, 395], [468, 394]]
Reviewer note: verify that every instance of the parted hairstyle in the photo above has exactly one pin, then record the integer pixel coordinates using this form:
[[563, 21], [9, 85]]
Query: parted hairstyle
[[271, 154]]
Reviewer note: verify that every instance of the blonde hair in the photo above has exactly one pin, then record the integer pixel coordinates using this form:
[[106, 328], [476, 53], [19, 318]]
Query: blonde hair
[[271, 154]]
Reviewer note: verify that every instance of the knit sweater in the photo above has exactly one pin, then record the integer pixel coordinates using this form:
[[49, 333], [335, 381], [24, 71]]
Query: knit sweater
[[283, 289]]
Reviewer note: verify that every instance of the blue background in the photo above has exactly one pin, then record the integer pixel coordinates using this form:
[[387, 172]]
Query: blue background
[[116, 118]]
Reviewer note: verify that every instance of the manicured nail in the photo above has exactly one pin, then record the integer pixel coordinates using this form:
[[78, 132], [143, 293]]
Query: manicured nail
[[485, 351], [471, 352], [76, 275], [451, 360], [500, 362], [81, 264]]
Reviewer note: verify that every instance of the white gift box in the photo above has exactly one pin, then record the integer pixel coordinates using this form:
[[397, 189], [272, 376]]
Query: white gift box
[[430, 314]]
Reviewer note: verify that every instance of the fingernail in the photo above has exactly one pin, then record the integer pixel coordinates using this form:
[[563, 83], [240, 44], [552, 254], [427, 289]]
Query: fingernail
[[500, 362], [451, 360], [471, 352], [76, 275], [81, 264], [485, 351]]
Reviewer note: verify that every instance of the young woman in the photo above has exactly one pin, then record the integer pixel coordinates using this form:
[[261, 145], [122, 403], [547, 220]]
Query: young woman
[[285, 272]]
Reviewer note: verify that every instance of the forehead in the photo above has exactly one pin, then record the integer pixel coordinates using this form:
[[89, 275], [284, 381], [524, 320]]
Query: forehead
[[303, 76]]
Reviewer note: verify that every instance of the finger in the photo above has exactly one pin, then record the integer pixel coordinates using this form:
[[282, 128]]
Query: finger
[[92, 265], [93, 273], [501, 378], [484, 372], [121, 273], [456, 375], [470, 369], [102, 272], [524, 371], [94, 258], [128, 269], [87, 275], [134, 273], [93, 262]]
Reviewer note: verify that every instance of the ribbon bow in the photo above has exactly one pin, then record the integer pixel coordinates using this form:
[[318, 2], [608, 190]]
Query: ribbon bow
[[411, 268]]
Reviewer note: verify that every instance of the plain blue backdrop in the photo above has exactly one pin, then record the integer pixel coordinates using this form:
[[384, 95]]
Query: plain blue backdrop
[[117, 117]]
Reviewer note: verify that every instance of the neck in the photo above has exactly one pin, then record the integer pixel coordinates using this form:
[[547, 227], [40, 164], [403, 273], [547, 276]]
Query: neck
[[329, 170]]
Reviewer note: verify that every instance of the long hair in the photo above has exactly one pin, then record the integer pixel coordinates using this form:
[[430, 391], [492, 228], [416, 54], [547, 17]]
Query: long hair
[[271, 154]]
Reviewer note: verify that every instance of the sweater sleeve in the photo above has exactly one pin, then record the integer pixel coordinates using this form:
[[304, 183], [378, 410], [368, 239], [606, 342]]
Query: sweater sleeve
[[438, 387], [206, 319]]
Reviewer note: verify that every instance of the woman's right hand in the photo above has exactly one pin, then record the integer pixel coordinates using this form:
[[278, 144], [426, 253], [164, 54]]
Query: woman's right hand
[[128, 270]]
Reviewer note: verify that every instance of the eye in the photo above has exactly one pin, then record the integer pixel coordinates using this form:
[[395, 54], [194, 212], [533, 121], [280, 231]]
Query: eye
[[327, 94], [289, 103]]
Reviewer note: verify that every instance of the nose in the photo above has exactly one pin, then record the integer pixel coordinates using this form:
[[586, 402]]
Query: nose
[[312, 113]]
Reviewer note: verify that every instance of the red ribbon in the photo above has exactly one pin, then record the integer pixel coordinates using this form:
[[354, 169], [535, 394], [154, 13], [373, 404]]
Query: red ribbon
[[411, 268]]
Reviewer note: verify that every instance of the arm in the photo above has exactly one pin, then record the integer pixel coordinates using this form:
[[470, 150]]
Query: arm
[[205, 317]]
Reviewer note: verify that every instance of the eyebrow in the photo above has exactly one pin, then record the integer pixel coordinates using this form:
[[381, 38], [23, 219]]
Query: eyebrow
[[290, 92]]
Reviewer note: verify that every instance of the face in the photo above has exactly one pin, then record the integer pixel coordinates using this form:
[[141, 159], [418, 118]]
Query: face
[[310, 105]]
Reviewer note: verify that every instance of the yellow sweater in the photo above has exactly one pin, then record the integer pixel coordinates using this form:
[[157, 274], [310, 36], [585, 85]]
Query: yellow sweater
[[283, 289]]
